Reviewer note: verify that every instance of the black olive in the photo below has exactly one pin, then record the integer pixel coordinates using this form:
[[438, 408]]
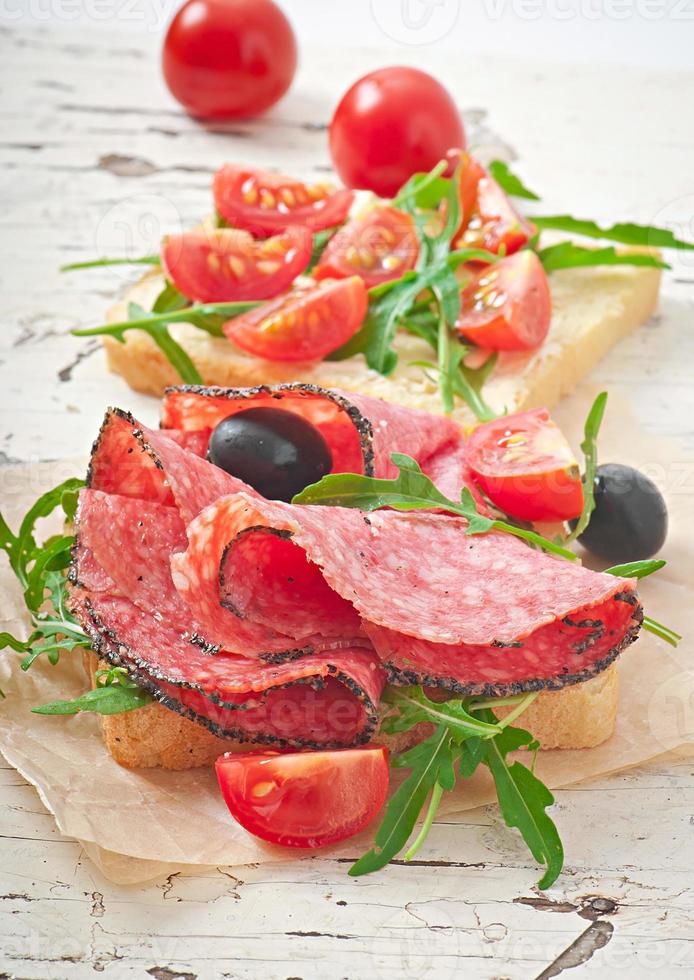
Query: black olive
[[277, 452], [629, 522]]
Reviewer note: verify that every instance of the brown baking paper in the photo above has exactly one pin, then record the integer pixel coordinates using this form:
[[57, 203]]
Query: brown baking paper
[[136, 825]]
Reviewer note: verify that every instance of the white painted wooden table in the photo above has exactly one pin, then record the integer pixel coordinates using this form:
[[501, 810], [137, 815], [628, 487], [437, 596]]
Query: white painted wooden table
[[96, 159]]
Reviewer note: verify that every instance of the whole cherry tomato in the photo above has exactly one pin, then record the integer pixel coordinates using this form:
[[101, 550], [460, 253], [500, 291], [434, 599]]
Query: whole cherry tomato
[[228, 58], [390, 124]]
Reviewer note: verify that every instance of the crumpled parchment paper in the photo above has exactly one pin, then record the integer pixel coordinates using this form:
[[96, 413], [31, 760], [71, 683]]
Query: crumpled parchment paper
[[137, 825]]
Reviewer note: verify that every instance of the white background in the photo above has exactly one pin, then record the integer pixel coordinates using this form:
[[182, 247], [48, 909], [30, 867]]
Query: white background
[[645, 33]]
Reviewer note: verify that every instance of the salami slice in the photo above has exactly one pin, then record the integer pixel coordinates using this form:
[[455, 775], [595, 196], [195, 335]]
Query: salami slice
[[362, 432], [267, 620], [148, 533], [134, 461], [175, 478], [452, 609], [316, 701], [567, 651]]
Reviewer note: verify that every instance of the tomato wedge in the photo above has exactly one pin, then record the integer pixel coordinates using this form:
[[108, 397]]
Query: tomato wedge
[[470, 172], [228, 264], [265, 203], [508, 305], [303, 325], [489, 219], [526, 467], [304, 799], [379, 245]]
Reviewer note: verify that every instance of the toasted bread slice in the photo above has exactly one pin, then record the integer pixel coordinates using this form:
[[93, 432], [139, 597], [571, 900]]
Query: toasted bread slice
[[593, 308], [576, 717]]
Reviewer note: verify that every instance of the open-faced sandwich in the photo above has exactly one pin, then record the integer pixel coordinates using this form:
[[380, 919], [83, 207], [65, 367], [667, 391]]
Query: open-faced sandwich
[[328, 577], [445, 298]]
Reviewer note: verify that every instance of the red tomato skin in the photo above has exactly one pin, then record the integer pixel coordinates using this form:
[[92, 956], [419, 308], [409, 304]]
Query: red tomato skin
[[542, 484], [308, 323], [295, 798], [390, 124], [201, 264], [227, 59], [494, 224], [228, 189], [362, 238], [470, 173], [522, 320]]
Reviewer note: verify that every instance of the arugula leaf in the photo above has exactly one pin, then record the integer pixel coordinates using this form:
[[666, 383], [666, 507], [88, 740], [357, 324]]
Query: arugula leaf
[[39, 570], [438, 246], [206, 316], [391, 303], [376, 335], [462, 255], [405, 805], [170, 299], [466, 382], [466, 740], [21, 549], [523, 801], [472, 753], [590, 452], [114, 694], [320, 241], [447, 295], [568, 255], [640, 569], [174, 353], [19, 646], [423, 190], [624, 233], [412, 490], [414, 706], [509, 182], [95, 263], [664, 632], [637, 569]]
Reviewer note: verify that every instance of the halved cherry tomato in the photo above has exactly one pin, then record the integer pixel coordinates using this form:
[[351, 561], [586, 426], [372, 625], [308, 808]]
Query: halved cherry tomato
[[303, 325], [489, 219], [379, 245], [228, 264], [507, 306], [265, 203], [470, 172], [526, 467], [304, 799]]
